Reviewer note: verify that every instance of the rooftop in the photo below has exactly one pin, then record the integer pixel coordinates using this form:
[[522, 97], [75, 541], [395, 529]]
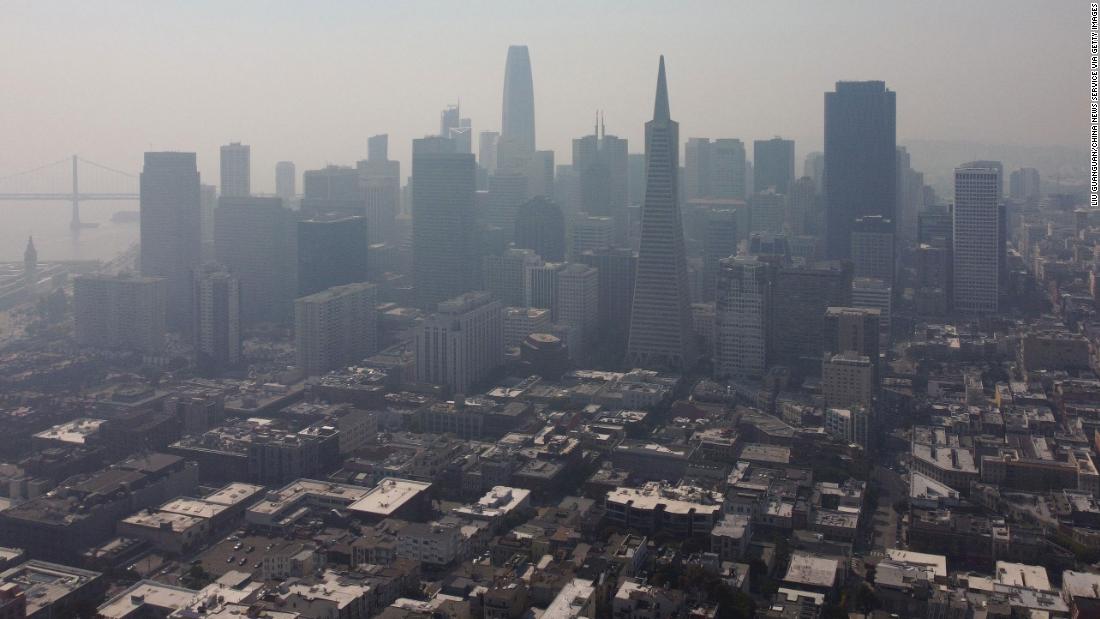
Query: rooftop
[[388, 496]]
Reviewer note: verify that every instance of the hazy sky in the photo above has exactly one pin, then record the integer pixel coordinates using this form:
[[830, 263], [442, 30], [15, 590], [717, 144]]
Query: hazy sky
[[309, 81]]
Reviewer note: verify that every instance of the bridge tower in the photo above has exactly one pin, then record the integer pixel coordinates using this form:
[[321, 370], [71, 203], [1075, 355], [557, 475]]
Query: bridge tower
[[74, 219]]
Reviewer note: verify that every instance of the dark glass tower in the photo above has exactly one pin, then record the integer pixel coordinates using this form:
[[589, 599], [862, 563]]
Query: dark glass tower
[[860, 159], [171, 228], [660, 319]]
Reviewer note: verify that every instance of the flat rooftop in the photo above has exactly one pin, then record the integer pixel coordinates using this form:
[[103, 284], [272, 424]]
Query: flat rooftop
[[390, 495]]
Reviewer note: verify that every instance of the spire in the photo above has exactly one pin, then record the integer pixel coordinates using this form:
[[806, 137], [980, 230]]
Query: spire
[[660, 104]]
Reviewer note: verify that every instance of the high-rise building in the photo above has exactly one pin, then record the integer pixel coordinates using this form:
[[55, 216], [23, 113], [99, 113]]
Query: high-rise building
[[519, 322], [577, 302], [873, 250], [719, 242], [335, 327], [773, 165], [635, 178], [380, 179], [800, 296], [847, 380], [714, 169], [616, 268], [540, 174], [253, 238], [541, 283], [933, 279], [876, 294], [767, 212], [540, 227], [208, 203], [507, 192], [332, 251], [934, 225], [660, 322], [910, 197], [505, 275], [978, 238], [462, 343], [741, 313], [852, 329], [600, 162], [588, 233], [286, 180], [236, 167], [487, 144], [30, 265], [804, 215], [860, 159], [697, 168], [217, 330], [517, 129], [814, 167], [120, 311], [1023, 185], [445, 250], [171, 228]]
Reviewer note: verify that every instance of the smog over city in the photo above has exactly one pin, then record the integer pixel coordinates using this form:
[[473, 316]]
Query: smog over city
[[584, 309]]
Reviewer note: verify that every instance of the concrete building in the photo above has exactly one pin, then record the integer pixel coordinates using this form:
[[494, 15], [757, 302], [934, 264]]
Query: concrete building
[[876, 294], [217, 313], [741, 317], [873, 248], [335, 327], [773, 165], [381, 184], [462, 343], [767, 212], [236, 170], [519, 322], [577, 302], [590, 233], [847, 380], [660, 318], [50, 590], [800, 296], [540, 227], [657, 506], [286, 181], [120, 311], [979, 243], [171, 229], [332, 251], [616, 269], [505, 275]]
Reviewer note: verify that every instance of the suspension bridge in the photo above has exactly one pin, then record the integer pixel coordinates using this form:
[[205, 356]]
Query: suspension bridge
[[60, 181]]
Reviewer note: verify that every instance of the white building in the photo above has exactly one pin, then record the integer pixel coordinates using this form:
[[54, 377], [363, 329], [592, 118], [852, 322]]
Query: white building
[[578, 299], [590, 234], [461, 343], [236, 168], [335, 327], [847, 424], [286, 180], [435, 543], [740, 317], [978, 238], [120, 311]]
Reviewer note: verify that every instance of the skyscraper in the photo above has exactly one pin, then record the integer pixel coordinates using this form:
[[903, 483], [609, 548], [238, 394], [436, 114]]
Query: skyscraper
[[800, 297], [217, 331], [236, 166], [616, 267], [719, 242], [517, 129], [600, 161], [660, 321], [380, 179], [540, 226], [335, 327], [741, 316], [487, 144], [1023, 185], [286, 180], [253, 239], [171, 228], [860, 159], [120, 311], [773, 164], [332, 251], [462, 343], [445, 252], [978, 241], [714, 169], [873, 248], [453, 126]]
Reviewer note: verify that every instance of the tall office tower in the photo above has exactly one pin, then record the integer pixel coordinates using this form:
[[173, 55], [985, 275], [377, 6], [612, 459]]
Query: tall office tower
[[852, 329], [507, 193], [487, 144], [728, 178], [749, 189], [217, 331], [332, 183], [934, 225], [800, 296], [567, 190], [462, 343], [286, 180], [254, 239], [332, 251], [773, 164], [600, 162], [445, 251], [380, 180], [589, 233], [741, 316], [978, 239], [505, 275], [933, 279], [767, 212], [616, 267], [453, 126], [577, 303], [335, 327], [635, 178], [120, 311], [517, 129], [814, 167], [660, 316], [848, 380], [910, 197], [540, 174], [171, 228], [208, 203], [697, 168], [236, 168], [541, 282], [540, 226], [719, 242], [1023, 185], [803, 214], [873, 248], [877, 294], [860, 159]]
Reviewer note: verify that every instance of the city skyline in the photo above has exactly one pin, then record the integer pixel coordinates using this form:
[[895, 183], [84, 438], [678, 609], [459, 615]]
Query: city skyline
[[572, 79]]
